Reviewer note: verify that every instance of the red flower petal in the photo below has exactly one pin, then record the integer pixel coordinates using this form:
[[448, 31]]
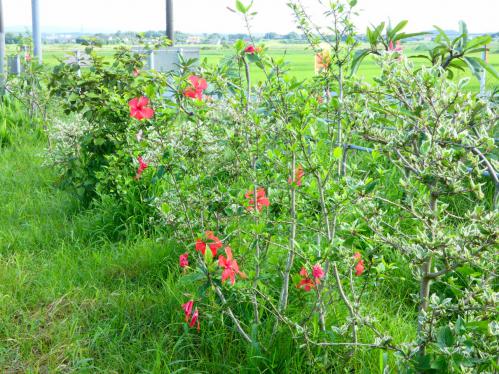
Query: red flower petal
[[201, 246]]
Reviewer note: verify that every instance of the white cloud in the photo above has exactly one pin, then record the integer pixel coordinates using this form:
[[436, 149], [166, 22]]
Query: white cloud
[[273, 15]]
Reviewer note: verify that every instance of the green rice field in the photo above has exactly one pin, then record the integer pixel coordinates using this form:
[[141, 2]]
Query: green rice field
[[299, 57]]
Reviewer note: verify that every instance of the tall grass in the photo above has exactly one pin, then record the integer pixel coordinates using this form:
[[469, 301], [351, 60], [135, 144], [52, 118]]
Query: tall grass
[[77, 297]]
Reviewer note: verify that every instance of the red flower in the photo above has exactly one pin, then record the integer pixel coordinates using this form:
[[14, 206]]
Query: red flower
[[359, 267], [306, 283], [142, 166], [318, 273], [27, 57], [261, 199], [299, 173], [322, 60], [183, 261], [216, 243], [304, 272], [187, 307], [195, 319], [201, 246], [139, 109], [136, 72], [230, 266], [250, 49], [198, 85], [398, 47]]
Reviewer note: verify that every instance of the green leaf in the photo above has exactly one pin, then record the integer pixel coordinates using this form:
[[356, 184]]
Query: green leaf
[[396, 29], [240, 7], [208, 256], [488, 68], [442, 34], [445, 337], [403, 35], [99, 141], [149, 91], [463, 30], [337, 153], [474, 65], [370, 187], [477, 42]]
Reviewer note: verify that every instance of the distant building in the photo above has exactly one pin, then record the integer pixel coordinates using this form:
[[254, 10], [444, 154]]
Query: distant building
[[193, 39]]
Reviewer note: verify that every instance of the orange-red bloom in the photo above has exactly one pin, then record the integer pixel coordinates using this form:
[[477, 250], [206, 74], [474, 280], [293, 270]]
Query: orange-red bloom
[[198, 85], [230, 266], [214, 245], [200, 246], [261, 199], [142, 166], [359, 267], [139, 109], [306, 282], [299, 173], [304, 272]]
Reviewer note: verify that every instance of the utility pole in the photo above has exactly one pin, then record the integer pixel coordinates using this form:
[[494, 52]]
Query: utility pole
[[2, 49], [485, 58], [37, 35], [169, 20]]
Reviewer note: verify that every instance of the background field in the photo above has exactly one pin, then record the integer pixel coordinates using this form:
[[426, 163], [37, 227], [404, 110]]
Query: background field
[[299, 56]]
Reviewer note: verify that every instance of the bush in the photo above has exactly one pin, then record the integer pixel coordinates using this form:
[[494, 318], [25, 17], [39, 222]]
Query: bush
[[280, 226]]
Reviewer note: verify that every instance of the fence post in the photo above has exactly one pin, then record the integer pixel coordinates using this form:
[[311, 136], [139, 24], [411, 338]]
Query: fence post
[[485, 58], [150, 60]]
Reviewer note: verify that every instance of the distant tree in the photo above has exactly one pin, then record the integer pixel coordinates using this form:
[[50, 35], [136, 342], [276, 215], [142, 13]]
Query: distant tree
[[11, 38], [233, 37], [292, 36], [271, 36], [181, 37], [212, 38]]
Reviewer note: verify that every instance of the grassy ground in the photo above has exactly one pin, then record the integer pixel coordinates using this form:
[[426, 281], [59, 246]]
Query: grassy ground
[[74, 300]]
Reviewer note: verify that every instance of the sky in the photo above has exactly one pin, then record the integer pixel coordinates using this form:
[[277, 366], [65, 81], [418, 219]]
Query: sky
[[207, 16]]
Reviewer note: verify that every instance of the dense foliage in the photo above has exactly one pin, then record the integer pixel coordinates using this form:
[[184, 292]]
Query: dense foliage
[[291, 201]]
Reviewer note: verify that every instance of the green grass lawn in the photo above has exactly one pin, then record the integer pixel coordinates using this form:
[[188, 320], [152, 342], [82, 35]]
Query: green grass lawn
[[75, 300]]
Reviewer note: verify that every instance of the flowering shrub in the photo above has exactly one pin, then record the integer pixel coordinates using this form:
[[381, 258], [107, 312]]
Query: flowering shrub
[[315, 228]]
